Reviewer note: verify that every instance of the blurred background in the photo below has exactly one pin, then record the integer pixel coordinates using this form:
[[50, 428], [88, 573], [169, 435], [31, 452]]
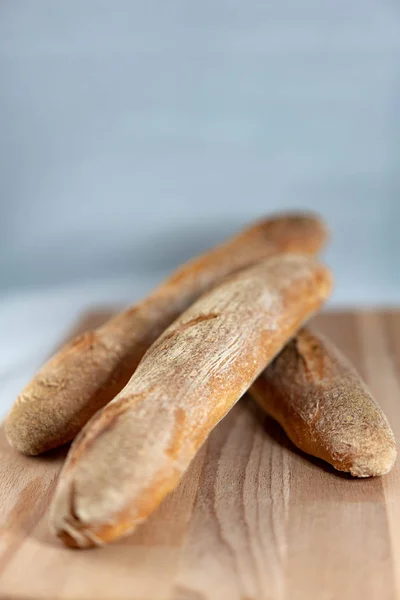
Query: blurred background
[[134, 135]]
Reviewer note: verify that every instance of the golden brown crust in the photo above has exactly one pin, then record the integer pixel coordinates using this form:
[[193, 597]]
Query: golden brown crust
[[89, 371], [134, 451], [325, 408]]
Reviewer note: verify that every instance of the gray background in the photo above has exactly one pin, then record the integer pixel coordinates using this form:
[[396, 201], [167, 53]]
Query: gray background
[[135, 134]]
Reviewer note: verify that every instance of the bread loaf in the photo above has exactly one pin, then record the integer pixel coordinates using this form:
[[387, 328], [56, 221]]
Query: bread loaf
[[325, 408], [135, 450], [89, 371]]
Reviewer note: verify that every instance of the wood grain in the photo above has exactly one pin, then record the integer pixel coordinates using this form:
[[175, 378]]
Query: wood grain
[[253, 519]]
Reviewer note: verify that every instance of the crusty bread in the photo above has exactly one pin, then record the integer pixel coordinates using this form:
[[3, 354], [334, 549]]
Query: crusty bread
[[89, 371], [135, 450], [325, 408]]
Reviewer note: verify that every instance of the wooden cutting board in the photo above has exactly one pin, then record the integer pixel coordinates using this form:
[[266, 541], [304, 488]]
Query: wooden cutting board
[[253, 518]]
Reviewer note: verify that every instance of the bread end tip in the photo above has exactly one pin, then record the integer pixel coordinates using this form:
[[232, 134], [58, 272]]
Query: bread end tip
[[375, 465]]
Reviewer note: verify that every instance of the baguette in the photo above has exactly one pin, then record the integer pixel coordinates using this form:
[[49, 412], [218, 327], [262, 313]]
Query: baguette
[[89, 371], [325, 408], [134, 451]]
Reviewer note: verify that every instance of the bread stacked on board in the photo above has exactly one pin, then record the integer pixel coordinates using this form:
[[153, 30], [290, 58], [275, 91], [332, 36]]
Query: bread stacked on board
[[144, 391]]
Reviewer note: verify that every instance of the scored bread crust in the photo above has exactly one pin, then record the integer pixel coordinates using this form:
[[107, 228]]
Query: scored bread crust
[[325, 408], [135, 450], [91, 369]]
